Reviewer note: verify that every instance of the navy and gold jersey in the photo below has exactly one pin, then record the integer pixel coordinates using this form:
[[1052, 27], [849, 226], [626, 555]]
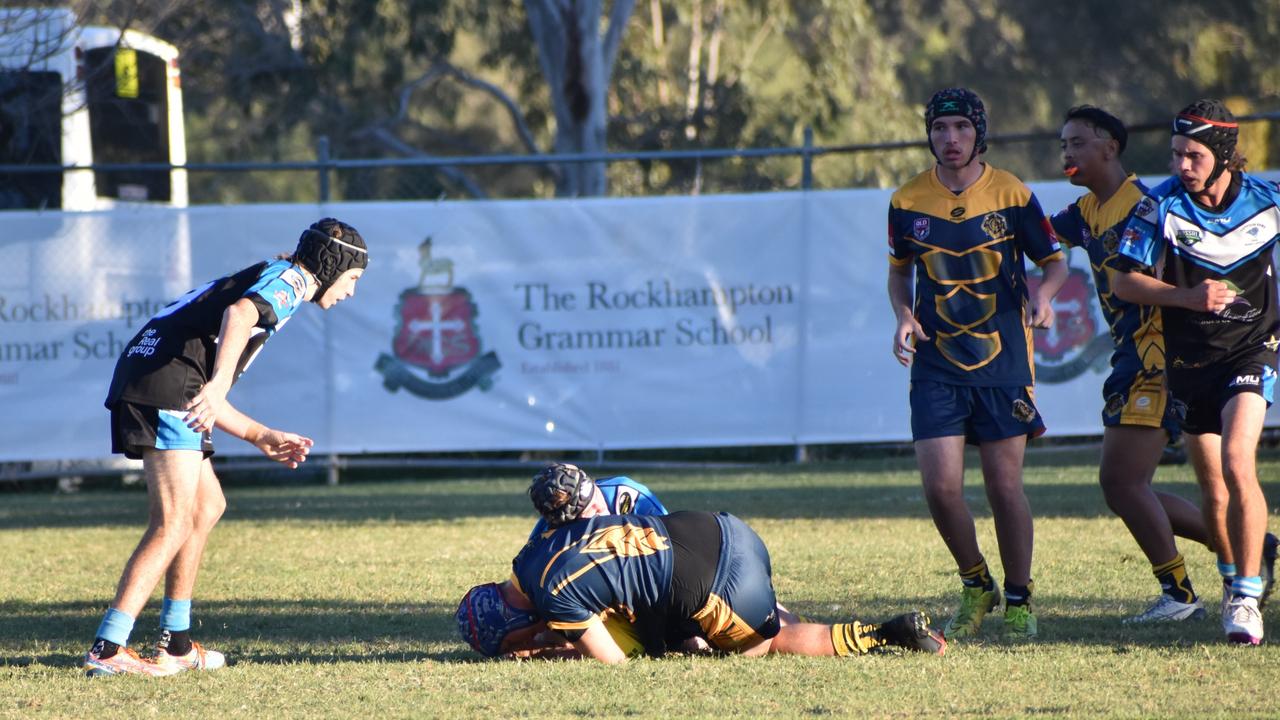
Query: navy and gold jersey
[[1186, 244], [1136, 330], [171, 358], [594, 568], [971, 285]]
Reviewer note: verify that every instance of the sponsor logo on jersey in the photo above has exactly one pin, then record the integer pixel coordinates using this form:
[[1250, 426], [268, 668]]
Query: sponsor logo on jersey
[[920, 228], [296, 281], [146, 345], [1245, 380], [1218, 220], [436, 351], [1110, 241], [957, 213], [625, 502], [282, 299], [1187, 237]]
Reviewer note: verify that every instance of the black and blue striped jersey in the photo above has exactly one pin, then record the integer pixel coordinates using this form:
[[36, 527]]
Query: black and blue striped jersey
[[171, 357], [1186, 244]]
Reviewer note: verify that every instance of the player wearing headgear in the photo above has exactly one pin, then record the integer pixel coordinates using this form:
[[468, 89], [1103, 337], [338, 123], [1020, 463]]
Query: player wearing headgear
[[1200, 245], [168, 393], [562, 493], [962, 229], [684, 573], [1138, 414]]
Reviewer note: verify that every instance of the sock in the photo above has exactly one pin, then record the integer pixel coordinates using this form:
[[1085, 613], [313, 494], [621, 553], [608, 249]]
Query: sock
[[1173, 579], [1016, 594], [115, 629], [978, 576], [104, 649], [854, 638], [1227, 571], [175, 615], [176, 642], [1247, 586]]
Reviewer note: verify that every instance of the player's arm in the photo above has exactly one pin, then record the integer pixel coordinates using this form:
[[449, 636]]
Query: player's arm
[[238, 321], [1142, 289], [1055, 275], [596, 642], [908, 330], [286, 448]]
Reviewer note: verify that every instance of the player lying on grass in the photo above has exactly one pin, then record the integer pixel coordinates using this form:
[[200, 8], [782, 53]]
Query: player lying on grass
[[676, 576]]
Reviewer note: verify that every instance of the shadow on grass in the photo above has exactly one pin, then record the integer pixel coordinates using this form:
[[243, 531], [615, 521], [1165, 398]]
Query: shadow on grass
[[259, 631], [328, 632], [408, 502]]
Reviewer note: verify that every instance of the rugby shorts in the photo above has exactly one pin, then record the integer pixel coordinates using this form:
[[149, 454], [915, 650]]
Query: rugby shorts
[[742, 609], [1139, 397], [135, 428], [980, 414], [1203, 392]]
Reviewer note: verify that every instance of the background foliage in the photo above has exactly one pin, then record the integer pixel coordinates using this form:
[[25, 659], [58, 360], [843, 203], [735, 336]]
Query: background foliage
[[265, 78]]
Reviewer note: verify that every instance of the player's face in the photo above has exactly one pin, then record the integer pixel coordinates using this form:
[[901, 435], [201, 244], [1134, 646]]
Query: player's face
[[343, 288], [597, 506], [1192, 162], [1084, 151], [953, 138]]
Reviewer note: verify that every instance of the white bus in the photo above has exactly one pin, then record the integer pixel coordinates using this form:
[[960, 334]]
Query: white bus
[[74, 95]]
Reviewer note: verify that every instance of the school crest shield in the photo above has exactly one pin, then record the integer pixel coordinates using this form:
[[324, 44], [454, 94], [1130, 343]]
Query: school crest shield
[[1079, 338], [436, 348]]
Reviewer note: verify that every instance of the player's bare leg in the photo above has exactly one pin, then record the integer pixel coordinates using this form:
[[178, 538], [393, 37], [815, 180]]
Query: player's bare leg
[[172, 485], [176, 650], [1002, 476], [1242, 419], [941, 462], [1205, 453], [1129, 459]]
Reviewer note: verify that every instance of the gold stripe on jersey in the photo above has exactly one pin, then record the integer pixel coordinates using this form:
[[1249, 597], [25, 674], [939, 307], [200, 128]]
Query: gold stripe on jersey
[[983, 262], [995, 190], [1104, 216], [986, 305], [947, 345]]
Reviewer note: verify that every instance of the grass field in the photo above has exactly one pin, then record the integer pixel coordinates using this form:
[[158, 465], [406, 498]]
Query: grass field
[[338, 602]]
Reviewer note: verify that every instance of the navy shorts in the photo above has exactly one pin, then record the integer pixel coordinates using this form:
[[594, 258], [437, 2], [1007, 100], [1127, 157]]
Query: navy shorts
[[1139, 397], [135, 428], [742, 609], [1203, 392], [980, 414]]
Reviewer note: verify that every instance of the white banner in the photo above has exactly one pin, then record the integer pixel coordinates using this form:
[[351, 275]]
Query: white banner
[[606, 323]]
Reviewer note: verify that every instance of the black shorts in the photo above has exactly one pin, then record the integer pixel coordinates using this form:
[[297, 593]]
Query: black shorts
[[1202, 393], [135, 428]]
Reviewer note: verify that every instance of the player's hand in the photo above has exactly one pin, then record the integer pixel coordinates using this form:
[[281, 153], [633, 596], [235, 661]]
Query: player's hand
[[1211, 296], [204, 408], [1042, 314], [288, 449], [905, 338]]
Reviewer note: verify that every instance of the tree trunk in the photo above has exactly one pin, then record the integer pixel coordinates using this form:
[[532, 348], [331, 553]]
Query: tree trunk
[[578, 64]]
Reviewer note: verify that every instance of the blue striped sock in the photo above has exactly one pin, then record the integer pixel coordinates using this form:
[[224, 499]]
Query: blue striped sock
[[1227, 571], [175, 615], [1247, 586], [116, 627]]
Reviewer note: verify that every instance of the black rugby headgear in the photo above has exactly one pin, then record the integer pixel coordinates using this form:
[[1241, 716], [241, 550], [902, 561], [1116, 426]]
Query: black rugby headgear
[[1211, 124], [329, 248], [958, 101]]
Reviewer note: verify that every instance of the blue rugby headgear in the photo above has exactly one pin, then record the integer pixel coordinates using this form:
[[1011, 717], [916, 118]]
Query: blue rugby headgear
[[958, 101], [484, 619]]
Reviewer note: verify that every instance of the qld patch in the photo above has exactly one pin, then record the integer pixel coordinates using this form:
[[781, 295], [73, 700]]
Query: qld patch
[[920, 228]]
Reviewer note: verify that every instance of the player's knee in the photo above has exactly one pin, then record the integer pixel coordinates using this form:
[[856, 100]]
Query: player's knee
[[210, 512]]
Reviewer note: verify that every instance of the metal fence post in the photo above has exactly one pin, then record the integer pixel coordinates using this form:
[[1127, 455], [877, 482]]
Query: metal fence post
[[322, 156], [806, 159]]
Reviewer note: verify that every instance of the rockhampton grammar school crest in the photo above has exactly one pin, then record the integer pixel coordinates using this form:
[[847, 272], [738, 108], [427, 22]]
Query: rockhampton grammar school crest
[[436, 349], [1079, 338]]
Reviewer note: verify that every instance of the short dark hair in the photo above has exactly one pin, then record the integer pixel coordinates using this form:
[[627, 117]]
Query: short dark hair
[[1099, 119]]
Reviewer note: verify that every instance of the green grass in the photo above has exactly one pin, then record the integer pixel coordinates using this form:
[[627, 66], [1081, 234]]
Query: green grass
[[337, 602]]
